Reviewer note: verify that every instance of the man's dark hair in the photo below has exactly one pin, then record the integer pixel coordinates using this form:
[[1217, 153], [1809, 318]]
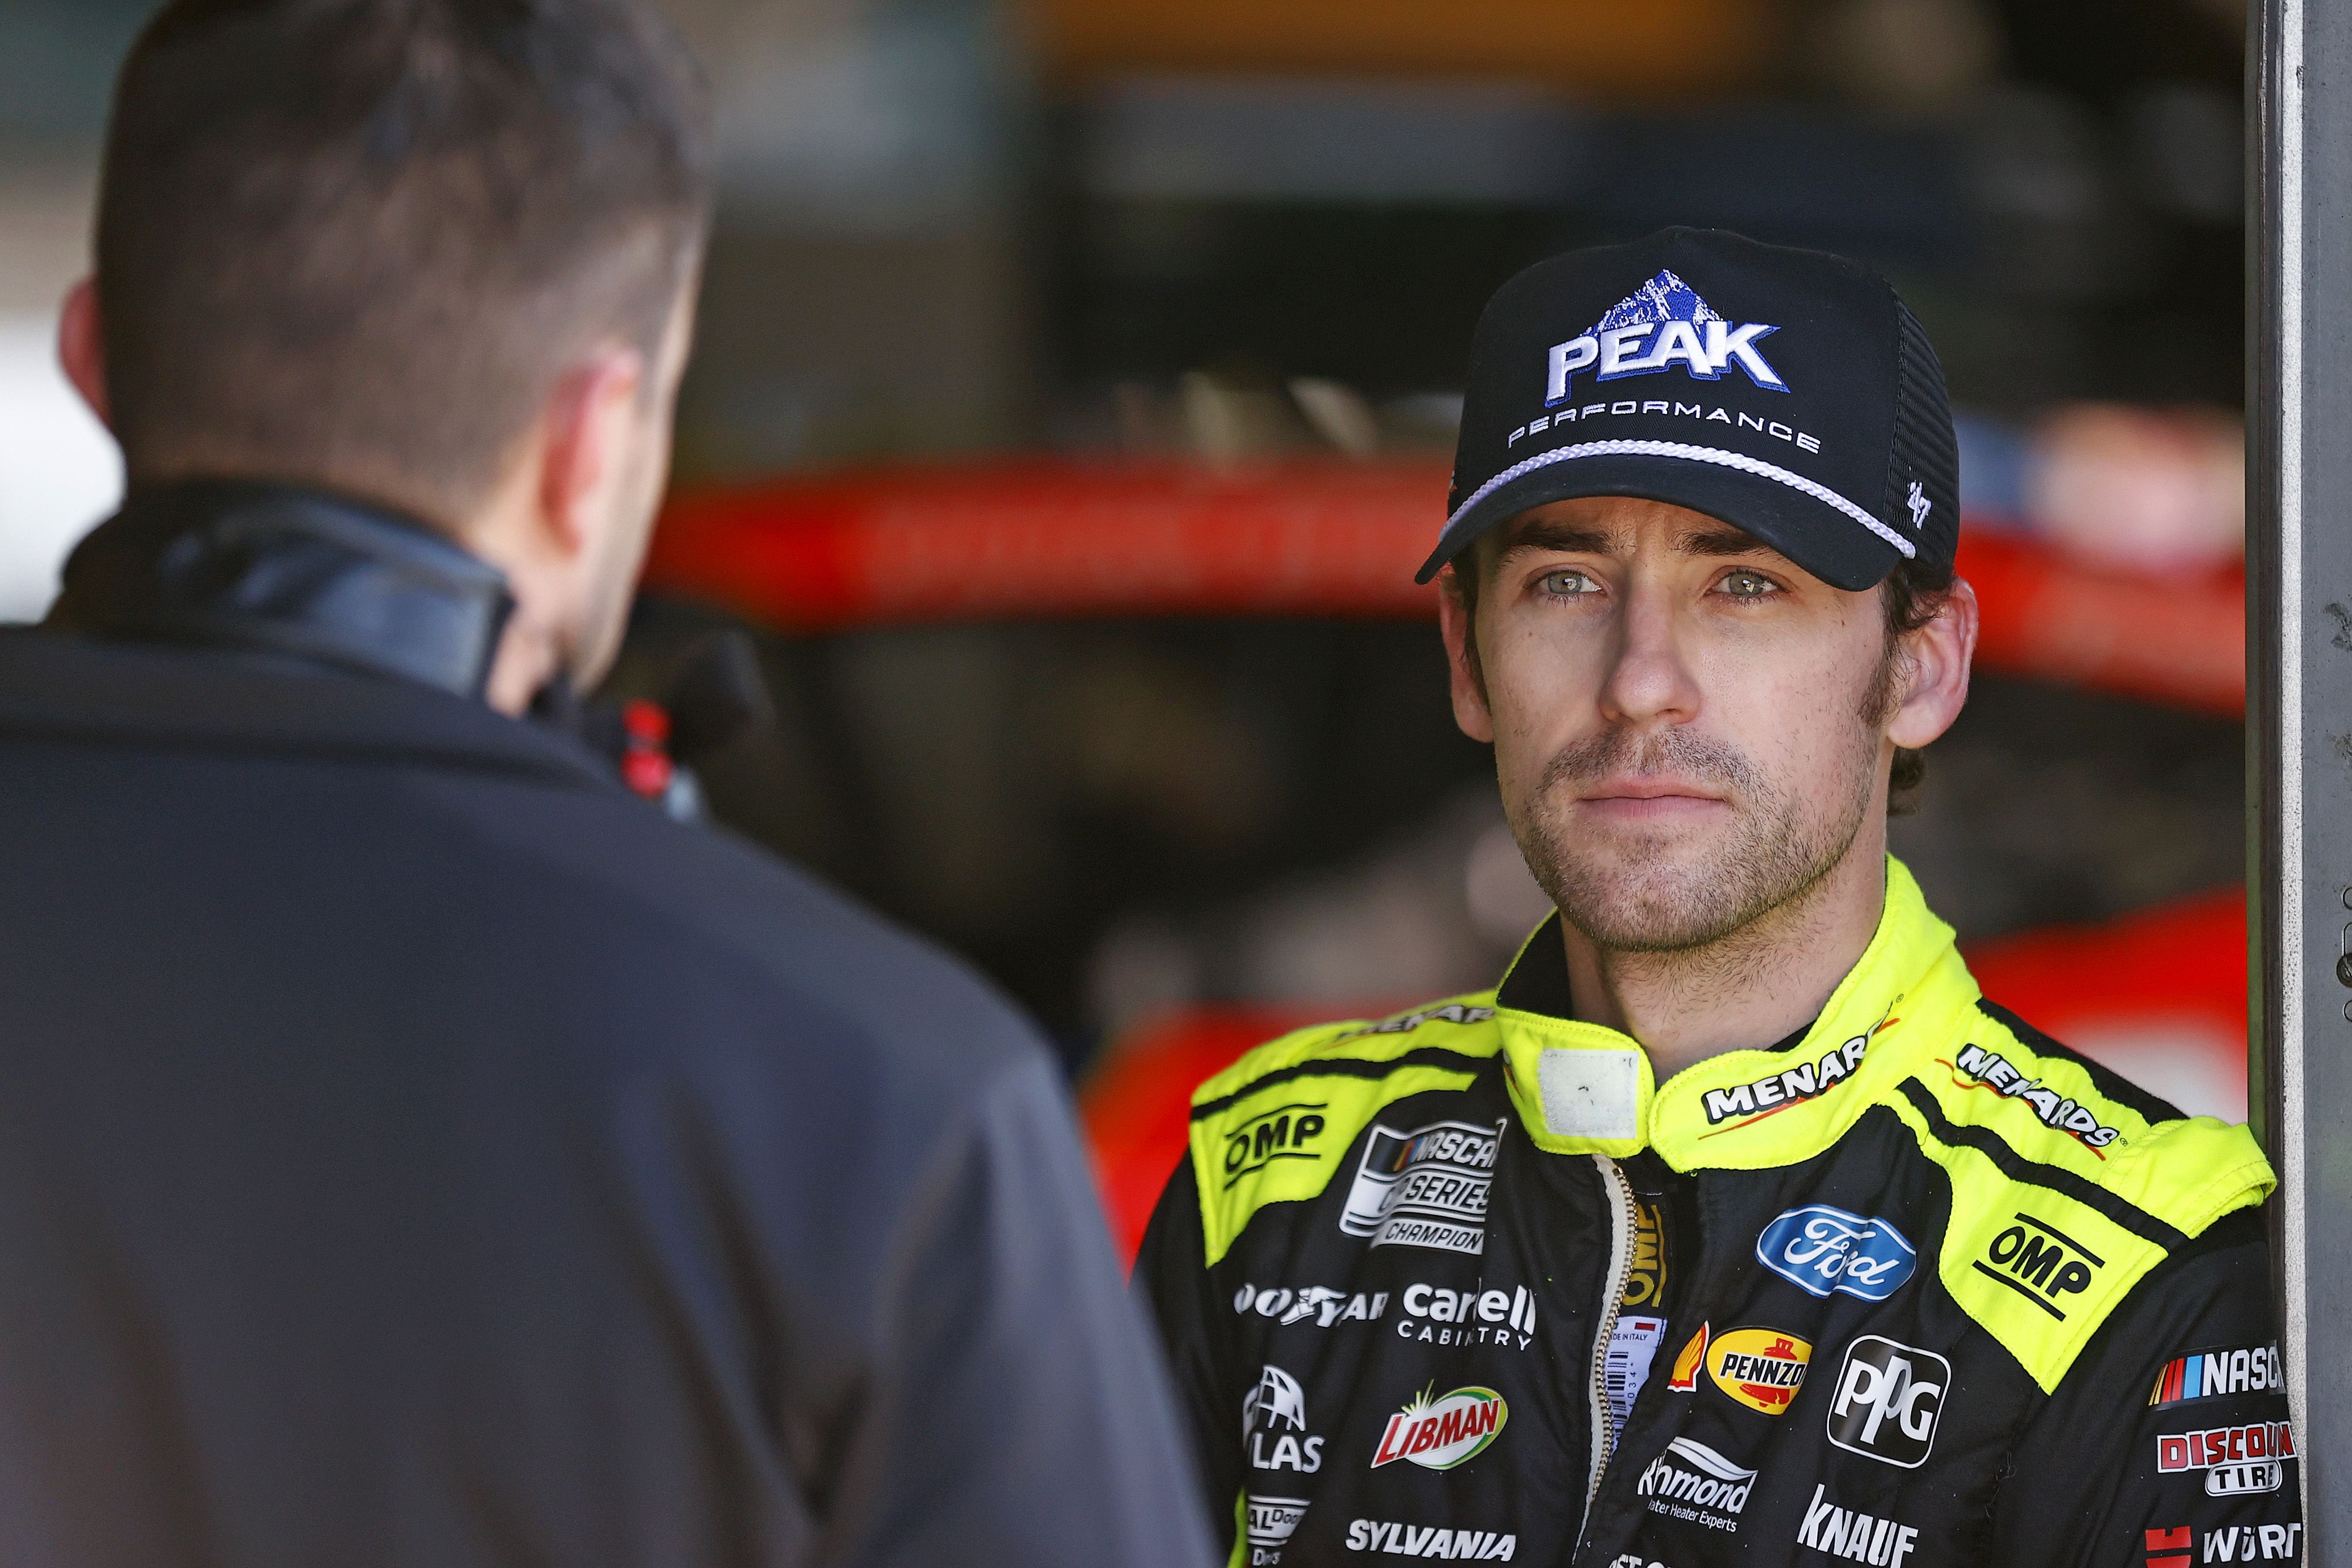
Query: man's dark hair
[[359, 240], [1911, 595]]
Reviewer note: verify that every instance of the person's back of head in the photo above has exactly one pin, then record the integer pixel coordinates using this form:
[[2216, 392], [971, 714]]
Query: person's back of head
[[414, 252]]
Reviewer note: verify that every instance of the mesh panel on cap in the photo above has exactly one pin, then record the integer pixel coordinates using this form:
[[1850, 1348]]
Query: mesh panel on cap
[[1922, 444]]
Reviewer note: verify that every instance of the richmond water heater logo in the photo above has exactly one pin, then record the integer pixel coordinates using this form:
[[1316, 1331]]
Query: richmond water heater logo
[[1660, 325]]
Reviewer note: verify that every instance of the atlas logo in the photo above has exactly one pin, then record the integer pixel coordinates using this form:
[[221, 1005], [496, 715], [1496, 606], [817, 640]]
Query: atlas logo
[[1777, 1091], [1660, 325], [1889, 1398], [1822, 1250], [2237, 1460], [1426, 1187], [2210, 1374], [1691, 1482], [1318, 1304], [2040, 1262], [1284, 1133], [1855, 1536], [1430, 1541], [1762, 1368], [1268, 1523], [1440, 1433], [1992, 1071], [1275, 1407]]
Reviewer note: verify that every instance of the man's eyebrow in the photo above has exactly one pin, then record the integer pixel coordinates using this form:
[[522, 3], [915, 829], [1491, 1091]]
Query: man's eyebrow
[[1720, 541], [1564, 537]]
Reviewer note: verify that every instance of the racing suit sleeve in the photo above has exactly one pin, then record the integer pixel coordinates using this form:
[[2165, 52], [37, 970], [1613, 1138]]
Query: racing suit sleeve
[[1172, 1276], [1020, 1411], [2167, 1445]]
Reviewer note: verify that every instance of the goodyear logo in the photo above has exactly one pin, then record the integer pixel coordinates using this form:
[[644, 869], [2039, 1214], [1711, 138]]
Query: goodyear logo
[[1762, 1368], [1285, 1133], [2040, 1262]]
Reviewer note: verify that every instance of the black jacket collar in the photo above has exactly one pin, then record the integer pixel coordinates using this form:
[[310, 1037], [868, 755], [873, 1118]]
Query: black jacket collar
[[271, 570]]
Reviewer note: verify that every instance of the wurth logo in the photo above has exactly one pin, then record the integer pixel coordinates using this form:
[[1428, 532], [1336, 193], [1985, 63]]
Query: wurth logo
[[2254, 1543]]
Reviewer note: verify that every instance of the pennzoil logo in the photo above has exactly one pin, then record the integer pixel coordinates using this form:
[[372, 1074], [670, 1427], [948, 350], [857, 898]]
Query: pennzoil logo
[[1777, 1091], [1285, 1133], [1762, 1368], [1992, 1071], [1440, 1433]]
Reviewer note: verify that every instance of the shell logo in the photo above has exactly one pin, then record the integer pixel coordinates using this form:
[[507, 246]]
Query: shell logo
[[1762, 1368], [1686, 1364]]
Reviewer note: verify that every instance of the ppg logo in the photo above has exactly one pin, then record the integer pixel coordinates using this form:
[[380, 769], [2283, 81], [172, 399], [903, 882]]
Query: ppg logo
[[1889, 1398]]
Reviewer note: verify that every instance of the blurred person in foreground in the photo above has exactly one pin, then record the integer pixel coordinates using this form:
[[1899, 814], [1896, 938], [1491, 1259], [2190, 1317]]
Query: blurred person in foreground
[[414, 1148], [1735, 1226]]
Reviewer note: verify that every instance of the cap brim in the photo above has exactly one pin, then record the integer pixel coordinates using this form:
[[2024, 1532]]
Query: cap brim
[[1818, 534]]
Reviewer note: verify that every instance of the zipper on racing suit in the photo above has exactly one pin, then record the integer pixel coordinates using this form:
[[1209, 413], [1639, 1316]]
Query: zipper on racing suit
[[1623, 1223]]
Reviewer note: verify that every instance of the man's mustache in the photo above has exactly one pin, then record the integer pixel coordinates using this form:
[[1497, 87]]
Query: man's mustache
[[1621, 751]]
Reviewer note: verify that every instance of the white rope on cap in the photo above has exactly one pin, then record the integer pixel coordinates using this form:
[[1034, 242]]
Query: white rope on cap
[[1715, 455]]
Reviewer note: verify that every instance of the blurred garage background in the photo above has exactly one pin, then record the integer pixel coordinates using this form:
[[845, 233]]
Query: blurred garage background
[[1075, 386]]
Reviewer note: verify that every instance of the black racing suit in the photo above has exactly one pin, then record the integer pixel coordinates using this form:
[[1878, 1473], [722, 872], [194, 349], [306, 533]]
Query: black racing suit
[[1917, 1287]]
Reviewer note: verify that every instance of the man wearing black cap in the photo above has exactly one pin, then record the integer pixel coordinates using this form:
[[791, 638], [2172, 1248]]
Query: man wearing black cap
[[1735, 1224]]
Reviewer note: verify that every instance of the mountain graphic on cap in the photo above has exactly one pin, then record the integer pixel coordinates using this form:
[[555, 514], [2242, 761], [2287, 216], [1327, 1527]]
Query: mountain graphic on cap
[[1665, 298]]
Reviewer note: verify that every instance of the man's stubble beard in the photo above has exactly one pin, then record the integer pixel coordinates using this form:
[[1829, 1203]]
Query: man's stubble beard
[[1634, 896]]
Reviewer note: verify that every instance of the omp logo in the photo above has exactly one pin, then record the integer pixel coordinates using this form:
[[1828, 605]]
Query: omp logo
[[1269, 1522], [1777, 1091], [1692, 1481], [1762, 1368], [1889, 1398], [1852, 1535], [1318, 1304], [2210, 1374], [1426, 1187], [1275, 1407], [1430, 1541], [1990, 1070], [2236, 1459], [2040, 1262], [1660, 325], [1285, 1133]]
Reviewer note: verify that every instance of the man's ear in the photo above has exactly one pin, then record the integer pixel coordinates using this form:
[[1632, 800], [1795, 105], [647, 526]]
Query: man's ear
[[1467, 676], [586, 427], [1938, 657], [81, 349]]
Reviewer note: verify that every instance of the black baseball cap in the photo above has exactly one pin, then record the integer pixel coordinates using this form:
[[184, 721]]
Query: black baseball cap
[[1788, 392]]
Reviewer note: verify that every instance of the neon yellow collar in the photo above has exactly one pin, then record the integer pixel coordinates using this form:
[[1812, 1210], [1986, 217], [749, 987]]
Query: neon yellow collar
[[1583, 1089]]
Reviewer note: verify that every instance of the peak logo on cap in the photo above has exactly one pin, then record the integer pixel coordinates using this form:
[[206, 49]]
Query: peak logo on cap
[[1661, 324]]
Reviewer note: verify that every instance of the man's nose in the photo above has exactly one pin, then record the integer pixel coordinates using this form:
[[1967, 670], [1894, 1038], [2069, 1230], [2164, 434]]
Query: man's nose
[[1649, 680]]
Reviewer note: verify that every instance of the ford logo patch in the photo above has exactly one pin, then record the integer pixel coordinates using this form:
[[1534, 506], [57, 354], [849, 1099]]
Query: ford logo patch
[[1819, 1249]]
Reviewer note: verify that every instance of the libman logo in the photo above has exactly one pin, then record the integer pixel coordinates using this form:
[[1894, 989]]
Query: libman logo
[[1777, 1091], [1660, 325], [1440, 1433], [1990, 1070], [1762, 1368]]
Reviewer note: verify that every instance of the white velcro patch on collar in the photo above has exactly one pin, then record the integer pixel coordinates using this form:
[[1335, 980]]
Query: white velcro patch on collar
[[1591, 1093]]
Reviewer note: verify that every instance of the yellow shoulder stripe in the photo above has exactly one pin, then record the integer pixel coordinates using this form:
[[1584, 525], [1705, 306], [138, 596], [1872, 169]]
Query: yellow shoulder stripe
[[1274, 1127]]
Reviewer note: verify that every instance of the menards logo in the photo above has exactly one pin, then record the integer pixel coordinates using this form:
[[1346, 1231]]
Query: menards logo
[[1776, 1091], [1992, 1071], [1441, 1433]]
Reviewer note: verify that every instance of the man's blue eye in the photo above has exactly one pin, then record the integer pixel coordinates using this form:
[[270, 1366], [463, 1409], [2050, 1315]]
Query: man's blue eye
[[1746, 585], [1566, 583]]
